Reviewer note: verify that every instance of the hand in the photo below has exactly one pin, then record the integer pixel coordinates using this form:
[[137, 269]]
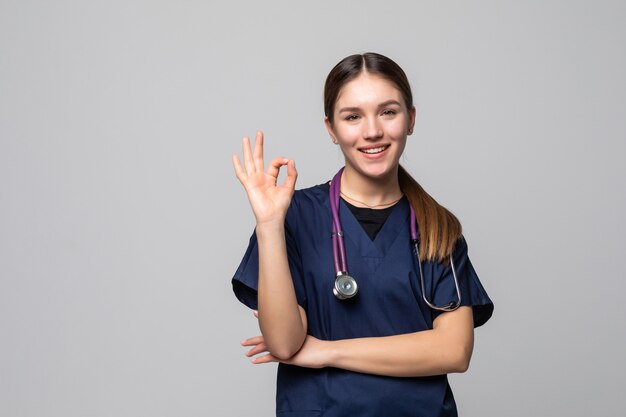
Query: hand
[[269, 200], [312, 354]]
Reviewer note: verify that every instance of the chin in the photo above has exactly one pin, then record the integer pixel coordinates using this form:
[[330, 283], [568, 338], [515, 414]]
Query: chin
[[377, 171]]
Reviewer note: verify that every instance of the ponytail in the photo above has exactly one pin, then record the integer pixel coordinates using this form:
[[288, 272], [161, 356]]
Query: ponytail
[[439, 229]]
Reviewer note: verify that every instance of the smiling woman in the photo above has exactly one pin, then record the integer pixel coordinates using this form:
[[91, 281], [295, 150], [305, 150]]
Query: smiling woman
[[384, 346]]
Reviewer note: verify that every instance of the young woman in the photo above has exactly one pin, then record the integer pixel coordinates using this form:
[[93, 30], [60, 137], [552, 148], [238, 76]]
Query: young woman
[[365, 293]]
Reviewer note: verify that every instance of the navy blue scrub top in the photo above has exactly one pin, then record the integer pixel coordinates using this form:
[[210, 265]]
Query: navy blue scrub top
[[389, 302]]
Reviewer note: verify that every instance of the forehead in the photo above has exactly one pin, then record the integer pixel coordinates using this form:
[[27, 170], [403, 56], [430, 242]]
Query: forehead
[[367, 89]]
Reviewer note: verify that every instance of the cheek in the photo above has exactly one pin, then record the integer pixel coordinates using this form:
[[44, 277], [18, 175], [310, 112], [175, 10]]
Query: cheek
[[397, 130], [347, 135]]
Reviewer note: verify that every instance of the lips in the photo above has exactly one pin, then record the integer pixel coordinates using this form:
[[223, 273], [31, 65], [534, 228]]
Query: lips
[[374, 150]]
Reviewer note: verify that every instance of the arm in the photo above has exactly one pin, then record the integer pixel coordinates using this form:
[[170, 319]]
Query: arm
[[282, 321], [445, 349]]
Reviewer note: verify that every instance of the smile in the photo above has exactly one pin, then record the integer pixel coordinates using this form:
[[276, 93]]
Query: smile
[[372, 151]]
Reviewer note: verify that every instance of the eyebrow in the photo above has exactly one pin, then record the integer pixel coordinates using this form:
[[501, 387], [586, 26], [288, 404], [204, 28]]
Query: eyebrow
[[383, 104]]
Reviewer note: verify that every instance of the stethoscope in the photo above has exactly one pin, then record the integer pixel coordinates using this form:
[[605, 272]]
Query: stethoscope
[[345, 285]]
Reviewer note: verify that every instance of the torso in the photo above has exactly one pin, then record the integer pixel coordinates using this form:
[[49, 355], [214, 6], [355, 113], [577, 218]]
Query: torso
[[388, 303]]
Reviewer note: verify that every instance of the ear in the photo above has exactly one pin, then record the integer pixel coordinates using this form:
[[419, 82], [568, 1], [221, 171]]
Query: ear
[[412, 120], [331, 132]]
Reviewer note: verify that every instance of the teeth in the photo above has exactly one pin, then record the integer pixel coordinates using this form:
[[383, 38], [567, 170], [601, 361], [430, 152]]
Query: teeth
[[374, 150]]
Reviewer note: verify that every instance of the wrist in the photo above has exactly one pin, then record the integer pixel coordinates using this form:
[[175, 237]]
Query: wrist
[[270, 226], [331, 353]]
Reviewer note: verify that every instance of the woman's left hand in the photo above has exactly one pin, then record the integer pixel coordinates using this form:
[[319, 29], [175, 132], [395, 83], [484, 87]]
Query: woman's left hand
[[312, 354]]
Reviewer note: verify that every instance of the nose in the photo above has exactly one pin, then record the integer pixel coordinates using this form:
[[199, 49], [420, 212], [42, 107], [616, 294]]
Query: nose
[[372, 129]]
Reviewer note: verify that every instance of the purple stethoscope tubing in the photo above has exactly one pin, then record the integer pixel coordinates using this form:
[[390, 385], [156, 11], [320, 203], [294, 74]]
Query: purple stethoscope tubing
[[339, 251]]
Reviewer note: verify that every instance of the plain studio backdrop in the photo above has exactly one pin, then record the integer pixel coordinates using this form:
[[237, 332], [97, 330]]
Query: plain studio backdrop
[[121, 220]]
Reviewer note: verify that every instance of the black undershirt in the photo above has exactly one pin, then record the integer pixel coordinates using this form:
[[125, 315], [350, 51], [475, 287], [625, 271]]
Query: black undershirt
[[371, 220]]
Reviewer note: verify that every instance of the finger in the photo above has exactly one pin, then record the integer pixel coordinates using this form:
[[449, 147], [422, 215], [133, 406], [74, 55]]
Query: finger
[[261, 347], [247, 156], [258, 151], [292, 175], [252, 341], [275, 165], [241, 174], [264, 359]]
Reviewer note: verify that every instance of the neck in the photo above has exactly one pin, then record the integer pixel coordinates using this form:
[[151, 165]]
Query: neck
[[363, 191]]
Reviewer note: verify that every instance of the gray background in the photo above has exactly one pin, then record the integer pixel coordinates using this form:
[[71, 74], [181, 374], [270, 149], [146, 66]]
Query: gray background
[[121, 221]]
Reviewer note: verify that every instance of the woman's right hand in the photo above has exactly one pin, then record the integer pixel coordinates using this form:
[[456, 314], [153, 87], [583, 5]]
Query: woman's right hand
[[268, 199]]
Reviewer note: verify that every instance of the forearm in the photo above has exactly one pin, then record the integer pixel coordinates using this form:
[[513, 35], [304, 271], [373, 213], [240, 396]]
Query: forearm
[[439, 351], [280, 318], [416, 354]]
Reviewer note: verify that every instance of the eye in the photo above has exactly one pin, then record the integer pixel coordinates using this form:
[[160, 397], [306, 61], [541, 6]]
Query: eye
[[351, 117], [389, 112]]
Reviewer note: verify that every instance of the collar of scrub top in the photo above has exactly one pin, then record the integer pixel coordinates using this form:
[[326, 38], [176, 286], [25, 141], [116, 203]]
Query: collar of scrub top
[[339, 250]]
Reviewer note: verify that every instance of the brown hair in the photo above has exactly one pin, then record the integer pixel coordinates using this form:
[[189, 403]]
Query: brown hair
[[439, 228]]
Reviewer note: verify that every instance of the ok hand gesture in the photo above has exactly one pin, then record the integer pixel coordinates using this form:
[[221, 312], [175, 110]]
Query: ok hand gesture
[[268, 199]]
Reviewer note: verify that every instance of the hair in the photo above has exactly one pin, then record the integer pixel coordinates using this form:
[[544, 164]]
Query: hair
[[439, 228]]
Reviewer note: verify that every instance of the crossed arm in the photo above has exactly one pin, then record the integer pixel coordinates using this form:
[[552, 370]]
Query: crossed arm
[[447, 348]]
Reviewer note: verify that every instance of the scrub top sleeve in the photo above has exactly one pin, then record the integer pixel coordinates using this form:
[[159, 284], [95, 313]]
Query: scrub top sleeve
[[472, 292], [246, 278]]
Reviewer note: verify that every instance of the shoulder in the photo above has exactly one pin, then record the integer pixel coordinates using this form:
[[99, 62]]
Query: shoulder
[[308, 203], [310, 197]]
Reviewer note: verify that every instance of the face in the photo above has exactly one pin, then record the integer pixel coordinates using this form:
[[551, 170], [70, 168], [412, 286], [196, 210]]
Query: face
[[371, 124]]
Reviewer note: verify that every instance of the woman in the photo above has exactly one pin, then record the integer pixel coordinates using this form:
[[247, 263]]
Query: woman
[[382, 344]]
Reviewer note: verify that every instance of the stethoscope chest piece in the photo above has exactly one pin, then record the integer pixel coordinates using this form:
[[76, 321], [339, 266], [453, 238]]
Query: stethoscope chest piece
[[345, 286]]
